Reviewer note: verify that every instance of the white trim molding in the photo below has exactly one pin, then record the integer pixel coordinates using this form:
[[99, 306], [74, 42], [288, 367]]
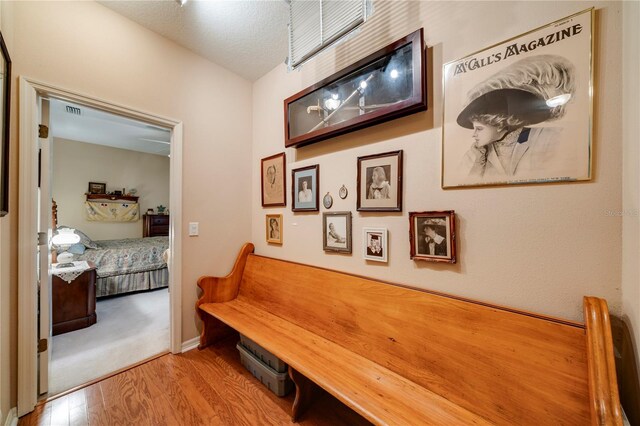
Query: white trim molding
[[29, 90], [190, 344], [12, 418], [27, 229]]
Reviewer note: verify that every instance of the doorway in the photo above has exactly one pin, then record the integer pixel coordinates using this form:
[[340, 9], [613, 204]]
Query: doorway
[[34, 348], [109, 178]]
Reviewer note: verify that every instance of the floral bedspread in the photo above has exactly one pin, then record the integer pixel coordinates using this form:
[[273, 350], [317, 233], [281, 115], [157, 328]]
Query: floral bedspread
[[128, 256]]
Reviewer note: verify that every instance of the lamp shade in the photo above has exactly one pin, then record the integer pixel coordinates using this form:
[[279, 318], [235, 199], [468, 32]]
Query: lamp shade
[[66, 237]]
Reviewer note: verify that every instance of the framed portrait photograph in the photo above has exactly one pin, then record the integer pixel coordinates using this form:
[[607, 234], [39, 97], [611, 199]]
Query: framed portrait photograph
[[520, 112], [273, 227], [274, 181], [304, 190], [336, 232], [380, 182], [374, 244], [97, 188], [5, 103], [432, 236], [327, 201]]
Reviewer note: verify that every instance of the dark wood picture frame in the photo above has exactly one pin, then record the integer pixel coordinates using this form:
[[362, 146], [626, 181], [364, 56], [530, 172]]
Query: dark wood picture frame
[[348, 245], [294, 192], [415, 103], [395, 204], [93, 188], [5, 129], [282, 185], [449, 230]]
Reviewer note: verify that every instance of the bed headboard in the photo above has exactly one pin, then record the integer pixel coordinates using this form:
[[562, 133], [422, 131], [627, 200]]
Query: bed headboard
[[54, 214]]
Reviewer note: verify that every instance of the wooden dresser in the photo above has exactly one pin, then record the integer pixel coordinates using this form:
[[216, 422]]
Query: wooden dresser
[[155, 225], [74, 304]]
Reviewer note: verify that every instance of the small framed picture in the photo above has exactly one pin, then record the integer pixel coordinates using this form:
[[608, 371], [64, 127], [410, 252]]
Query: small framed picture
[[374, 244], [343, 192], [97, 188], [433, 236], [274, 228], [327, 201], [336, 229], [274, 180], [305, 191], [380, 182]]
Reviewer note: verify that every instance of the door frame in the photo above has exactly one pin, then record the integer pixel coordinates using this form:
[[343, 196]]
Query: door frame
[[29, 90]]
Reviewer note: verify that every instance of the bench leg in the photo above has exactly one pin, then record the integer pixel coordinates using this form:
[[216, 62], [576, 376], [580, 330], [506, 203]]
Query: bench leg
[[305, 392], [213, 330]]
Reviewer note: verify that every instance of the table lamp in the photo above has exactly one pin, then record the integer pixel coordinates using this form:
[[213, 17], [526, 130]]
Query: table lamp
[[65, 238]]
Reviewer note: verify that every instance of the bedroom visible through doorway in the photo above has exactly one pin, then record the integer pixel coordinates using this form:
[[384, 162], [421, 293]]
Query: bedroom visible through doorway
[[110, 185]]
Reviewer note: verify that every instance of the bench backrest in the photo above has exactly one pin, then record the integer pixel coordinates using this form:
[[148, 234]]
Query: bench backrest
[[510, 367]]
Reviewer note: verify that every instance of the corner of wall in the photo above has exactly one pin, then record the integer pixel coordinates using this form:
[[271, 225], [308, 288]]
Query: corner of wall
[[631, 170]]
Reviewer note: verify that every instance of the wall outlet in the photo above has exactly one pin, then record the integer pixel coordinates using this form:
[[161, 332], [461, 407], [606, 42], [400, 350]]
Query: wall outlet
[[193, 229]]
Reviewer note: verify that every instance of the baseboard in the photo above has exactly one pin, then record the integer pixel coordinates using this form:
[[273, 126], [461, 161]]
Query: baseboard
[[12, 418], [190, 344]]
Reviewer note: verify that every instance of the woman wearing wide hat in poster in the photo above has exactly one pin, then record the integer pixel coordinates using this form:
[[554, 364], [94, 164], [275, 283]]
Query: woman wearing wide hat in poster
[[502, 111]]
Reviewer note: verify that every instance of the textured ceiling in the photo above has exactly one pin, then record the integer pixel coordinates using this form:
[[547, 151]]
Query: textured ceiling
[[248, 37], [102, 128]]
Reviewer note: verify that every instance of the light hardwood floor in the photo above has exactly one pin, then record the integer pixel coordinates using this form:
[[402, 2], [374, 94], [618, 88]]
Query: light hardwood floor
[[208, 387]]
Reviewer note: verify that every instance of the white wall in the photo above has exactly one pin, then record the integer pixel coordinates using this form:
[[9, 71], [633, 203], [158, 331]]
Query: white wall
[[8, 333], [536, 247], [84, 47], [631, 171], [77, 163]]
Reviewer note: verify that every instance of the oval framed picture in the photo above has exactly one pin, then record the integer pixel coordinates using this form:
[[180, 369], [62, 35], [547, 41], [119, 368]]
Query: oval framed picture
[[343, 192], [327, 201]]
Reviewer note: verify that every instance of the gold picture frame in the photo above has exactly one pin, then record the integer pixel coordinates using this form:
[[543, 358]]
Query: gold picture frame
[[521, 111], [273, 228]]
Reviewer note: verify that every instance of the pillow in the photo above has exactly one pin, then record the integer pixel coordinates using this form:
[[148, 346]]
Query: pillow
[[84, 240], [77, 248]]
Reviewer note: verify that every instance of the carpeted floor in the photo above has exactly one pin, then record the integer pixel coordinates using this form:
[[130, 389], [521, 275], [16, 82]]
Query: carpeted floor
[[129, 329]]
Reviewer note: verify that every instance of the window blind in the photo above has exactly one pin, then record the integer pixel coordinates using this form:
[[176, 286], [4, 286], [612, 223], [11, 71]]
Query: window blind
[[316, 24]]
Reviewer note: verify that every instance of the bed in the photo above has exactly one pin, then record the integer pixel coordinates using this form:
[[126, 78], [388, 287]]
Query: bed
[[125, 265]]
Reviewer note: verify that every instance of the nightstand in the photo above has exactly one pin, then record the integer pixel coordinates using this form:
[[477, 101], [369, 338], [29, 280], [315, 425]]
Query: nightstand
[[74, 304], [155, 225]]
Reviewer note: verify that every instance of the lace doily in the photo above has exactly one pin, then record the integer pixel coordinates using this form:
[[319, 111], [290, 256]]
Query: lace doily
[[72, 272]]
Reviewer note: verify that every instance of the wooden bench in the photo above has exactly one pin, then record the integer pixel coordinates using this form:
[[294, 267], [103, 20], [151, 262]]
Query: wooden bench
[[402, 356]]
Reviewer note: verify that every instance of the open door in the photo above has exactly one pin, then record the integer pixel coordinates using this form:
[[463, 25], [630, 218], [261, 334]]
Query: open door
[[44, 237]]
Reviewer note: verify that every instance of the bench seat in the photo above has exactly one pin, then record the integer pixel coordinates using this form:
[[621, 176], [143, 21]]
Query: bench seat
[[398, 355], [331, 367]]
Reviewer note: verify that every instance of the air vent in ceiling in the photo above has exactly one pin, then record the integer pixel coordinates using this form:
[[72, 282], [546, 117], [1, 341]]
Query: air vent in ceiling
[[73, 110]]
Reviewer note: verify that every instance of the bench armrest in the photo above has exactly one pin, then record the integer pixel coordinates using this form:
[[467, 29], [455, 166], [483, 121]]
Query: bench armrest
[[223, 289], [220, 289], [603, 385]]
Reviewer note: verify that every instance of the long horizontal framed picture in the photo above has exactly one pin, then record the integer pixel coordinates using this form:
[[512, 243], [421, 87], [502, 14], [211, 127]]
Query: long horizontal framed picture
[[521, 111], [387, 84], [432, 236]]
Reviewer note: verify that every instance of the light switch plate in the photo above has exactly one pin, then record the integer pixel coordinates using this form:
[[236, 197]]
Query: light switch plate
[[193, 229]]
